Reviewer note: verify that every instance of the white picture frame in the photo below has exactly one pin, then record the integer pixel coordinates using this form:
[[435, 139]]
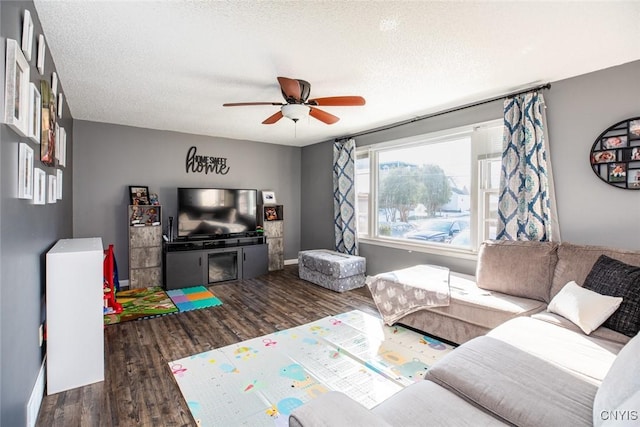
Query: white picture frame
[[60, 104], [62, 143], [27, 35], [54, 84], [39, 186], [268, 197], [42, 51], [16, 90], [35, 113], [25, 171], [56, 151], [52, 193], [59, 184]]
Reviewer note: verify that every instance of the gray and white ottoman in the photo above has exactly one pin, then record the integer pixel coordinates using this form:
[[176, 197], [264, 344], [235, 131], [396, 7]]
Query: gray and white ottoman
[[332, 270]]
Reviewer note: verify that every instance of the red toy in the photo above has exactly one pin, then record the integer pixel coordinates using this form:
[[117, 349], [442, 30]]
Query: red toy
[[111, 306]]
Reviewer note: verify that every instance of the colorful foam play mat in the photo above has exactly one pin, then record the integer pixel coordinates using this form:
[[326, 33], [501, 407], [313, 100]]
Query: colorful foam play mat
[[146, 303], [193, 298], [260, 381], [141, 303]]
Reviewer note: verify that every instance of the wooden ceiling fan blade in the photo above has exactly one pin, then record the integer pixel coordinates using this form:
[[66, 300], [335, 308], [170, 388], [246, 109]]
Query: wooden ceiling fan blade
[[323, 116], [291, 89], [338, 101], [272, 119], [242, 104]]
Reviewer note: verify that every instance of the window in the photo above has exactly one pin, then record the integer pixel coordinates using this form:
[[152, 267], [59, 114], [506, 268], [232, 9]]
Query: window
[[431, 191]]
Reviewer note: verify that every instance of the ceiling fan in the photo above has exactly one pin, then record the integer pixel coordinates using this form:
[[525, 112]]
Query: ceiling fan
[[298, 105]]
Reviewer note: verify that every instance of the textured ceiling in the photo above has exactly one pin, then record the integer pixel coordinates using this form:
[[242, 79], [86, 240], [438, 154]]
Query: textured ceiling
[[172, 64]]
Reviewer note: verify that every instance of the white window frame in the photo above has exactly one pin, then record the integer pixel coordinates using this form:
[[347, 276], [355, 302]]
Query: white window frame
[[480, 149]]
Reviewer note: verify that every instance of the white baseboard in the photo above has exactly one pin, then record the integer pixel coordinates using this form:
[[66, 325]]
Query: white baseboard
[[290, 261], [124, 283], [37, 394]]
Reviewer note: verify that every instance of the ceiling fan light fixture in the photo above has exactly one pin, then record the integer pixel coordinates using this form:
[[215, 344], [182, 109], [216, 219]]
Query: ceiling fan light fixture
[[295, 112]]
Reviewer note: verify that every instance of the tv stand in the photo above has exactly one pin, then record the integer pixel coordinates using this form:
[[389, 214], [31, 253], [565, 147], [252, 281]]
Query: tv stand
[[192, 262]]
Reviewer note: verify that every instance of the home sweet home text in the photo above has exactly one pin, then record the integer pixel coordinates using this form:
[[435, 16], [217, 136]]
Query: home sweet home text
[[197, 163]]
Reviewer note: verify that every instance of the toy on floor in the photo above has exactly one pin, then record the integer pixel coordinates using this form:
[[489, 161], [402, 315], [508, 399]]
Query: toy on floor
[[111, 306]]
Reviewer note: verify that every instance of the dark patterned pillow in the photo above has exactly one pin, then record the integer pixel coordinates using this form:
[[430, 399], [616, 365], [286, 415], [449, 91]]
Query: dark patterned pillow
[[617, 279]]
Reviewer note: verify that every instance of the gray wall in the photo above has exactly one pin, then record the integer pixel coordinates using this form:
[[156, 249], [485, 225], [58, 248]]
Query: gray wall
[[590, 211], [579, 109], [111, 157], [27, 232]]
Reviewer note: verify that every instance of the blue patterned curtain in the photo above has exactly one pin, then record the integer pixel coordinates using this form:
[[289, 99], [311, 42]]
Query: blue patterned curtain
[[344, 196], [526, 208]]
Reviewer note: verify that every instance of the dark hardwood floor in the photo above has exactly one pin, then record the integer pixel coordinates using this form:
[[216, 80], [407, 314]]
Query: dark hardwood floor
[[139, 389]]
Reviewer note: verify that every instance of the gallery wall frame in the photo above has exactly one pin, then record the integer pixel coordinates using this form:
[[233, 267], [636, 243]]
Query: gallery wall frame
[[16, 91], [42, 50], [60, 103], [35, 113], [27, 35], [39, 186], [48, 134], [52, 193], [59, 184], [62, 144], [25, 171], [54, 85]]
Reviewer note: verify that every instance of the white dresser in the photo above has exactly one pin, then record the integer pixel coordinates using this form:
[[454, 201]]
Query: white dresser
[[75, 325]]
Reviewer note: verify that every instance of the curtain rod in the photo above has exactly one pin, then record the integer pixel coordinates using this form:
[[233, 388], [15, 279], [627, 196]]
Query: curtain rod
[[450, 110]]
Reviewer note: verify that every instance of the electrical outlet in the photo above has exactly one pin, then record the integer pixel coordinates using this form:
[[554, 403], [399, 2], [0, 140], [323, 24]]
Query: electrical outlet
[[41, 334]]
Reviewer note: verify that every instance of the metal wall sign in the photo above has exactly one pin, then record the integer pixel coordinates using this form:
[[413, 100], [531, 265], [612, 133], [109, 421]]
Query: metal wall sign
[[205, 164]]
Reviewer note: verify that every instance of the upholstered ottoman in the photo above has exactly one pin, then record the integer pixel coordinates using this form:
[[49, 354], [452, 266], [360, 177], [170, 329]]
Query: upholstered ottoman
[[332, 270]]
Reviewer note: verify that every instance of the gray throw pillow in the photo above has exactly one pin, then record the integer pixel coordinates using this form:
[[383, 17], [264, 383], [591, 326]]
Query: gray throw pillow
[[617, 279]]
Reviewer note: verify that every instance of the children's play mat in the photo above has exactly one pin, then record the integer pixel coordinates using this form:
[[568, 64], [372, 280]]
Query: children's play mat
[[260, 381]]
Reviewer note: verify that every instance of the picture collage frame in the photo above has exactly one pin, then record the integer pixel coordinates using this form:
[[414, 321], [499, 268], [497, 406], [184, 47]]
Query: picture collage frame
[[615, 155]]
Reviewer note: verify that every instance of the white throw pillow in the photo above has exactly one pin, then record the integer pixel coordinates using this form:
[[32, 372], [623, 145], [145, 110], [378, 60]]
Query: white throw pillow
[[584, 307]]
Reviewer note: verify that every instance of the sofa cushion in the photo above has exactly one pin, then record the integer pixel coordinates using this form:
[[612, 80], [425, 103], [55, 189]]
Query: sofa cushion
[[620, 384], [333, 409], [618, 279], [480, 307], [602, 332], [426, 403], [584, 307], [514, 385], [575, 262], [562, 344], [523, 269]]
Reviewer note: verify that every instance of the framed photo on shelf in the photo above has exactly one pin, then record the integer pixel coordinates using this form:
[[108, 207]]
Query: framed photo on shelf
[[268, 197], [25, 172], [271, 214], [27, 35], [138, 195], [39, 186], [16, 89], [35, 113]]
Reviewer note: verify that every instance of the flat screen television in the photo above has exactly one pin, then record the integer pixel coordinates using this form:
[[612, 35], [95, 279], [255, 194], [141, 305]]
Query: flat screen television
[[216, 212]]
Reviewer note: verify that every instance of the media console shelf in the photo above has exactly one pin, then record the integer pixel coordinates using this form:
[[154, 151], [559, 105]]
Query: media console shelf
[[204, 262]]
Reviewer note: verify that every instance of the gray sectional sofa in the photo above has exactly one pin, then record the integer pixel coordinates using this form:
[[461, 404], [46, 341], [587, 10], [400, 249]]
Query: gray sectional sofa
[[519, 364]]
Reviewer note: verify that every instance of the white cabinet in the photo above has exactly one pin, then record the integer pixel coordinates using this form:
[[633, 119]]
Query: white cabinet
[[75, 325]]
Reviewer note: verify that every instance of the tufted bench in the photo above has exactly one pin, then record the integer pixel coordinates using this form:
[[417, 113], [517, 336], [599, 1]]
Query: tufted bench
[[332, 270]]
